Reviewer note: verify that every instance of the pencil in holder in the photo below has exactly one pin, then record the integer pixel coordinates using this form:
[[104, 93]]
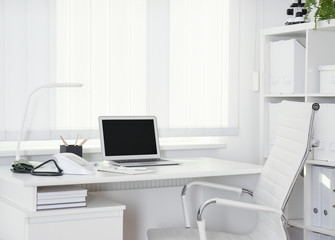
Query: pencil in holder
[[78, 150]]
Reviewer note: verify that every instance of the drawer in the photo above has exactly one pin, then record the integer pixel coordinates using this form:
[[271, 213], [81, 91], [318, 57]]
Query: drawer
[[81, 226]]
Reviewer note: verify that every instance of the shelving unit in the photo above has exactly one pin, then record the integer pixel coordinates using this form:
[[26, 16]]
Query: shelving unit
[[319, 50]]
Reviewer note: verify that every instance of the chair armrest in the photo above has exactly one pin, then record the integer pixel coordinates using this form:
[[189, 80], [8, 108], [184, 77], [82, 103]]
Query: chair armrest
[[209, 185], [236, 204]]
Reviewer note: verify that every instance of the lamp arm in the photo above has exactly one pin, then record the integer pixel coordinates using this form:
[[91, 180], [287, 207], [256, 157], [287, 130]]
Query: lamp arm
[[23, 122]]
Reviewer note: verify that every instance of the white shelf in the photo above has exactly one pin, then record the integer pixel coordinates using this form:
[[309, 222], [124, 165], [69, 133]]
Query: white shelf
[[299, 30], [319, 95], [95, 204], [301, 95], [321, 163], [319, 51], [299, 223], [284, 95], [325, 231]]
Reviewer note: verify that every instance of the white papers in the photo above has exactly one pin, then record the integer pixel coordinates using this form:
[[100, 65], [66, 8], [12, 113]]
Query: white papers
[[60, 200], [61, 205], [60, 191]]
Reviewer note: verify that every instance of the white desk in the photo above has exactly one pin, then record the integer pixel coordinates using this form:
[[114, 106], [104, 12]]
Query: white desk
[[20, 220]]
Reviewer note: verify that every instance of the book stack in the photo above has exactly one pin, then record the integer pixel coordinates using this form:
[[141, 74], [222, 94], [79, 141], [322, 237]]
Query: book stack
[[56, 197]]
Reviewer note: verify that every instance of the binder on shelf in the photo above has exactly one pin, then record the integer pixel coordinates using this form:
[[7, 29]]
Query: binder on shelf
[[328, 197], [316, 196], [287, 67], [323, 125]]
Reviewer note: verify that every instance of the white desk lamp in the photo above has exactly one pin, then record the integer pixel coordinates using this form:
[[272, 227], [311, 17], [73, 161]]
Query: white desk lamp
[[52, 85]]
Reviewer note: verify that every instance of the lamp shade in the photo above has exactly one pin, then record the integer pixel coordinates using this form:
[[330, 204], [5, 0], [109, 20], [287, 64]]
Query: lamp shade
[[51, 85]]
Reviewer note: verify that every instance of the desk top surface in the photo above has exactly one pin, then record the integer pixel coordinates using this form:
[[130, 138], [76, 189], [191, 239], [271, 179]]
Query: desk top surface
[[189, 168]]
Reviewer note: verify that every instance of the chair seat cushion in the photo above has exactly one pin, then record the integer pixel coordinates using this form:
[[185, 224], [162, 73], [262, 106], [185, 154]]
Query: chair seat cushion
[[191, 234]]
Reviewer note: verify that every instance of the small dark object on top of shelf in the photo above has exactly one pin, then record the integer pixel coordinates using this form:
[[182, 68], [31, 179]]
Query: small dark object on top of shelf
[[296, 13]]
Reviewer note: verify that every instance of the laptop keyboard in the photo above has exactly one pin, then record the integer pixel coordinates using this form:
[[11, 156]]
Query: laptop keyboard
[[139, 160]]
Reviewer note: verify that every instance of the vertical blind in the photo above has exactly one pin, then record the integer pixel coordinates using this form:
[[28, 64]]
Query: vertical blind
[[175, 59], [199, 66]]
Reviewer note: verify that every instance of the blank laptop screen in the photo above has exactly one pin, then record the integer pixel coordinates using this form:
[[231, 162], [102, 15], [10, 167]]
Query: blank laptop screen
[[123, 137]]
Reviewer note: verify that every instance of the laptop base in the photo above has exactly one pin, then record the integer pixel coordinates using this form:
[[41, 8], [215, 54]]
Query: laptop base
[[144, 163]]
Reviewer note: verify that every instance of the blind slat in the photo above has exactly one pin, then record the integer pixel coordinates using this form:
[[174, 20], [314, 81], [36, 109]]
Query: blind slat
[[100, 66], [81, 63]]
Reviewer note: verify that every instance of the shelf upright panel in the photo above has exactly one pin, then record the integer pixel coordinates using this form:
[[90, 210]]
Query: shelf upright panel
[[320, 51]]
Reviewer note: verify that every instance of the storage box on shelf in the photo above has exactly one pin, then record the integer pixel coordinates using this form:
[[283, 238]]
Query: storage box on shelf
[[287, 67], [327, 79], [319, 51]]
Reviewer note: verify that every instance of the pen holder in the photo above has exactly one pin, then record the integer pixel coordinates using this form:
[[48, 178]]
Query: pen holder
[[78, 150]]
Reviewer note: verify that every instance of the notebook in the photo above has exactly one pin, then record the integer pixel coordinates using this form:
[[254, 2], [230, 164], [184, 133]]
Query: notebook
[[131, 141]]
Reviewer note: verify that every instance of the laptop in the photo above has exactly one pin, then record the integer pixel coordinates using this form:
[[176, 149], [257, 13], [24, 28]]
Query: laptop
[[131, 141]]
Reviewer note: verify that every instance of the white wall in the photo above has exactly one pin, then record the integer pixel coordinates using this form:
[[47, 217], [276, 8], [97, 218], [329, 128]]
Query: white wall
[[274, 12], [245, 146]]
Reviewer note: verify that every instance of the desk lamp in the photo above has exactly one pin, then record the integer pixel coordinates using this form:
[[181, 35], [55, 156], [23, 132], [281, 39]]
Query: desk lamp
[[52, 85]]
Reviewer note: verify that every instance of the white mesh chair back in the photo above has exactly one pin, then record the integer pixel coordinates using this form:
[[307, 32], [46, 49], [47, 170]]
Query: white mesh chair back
[[284, 164]]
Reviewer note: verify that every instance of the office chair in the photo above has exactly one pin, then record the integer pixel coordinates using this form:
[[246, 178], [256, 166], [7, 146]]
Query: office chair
[[281, 170]]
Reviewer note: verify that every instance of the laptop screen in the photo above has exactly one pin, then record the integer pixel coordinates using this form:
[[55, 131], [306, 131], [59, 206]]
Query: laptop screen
[[128, 137]]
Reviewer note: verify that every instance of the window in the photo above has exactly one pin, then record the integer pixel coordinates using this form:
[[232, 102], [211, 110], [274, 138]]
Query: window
[[176, 59], [201, 77]]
